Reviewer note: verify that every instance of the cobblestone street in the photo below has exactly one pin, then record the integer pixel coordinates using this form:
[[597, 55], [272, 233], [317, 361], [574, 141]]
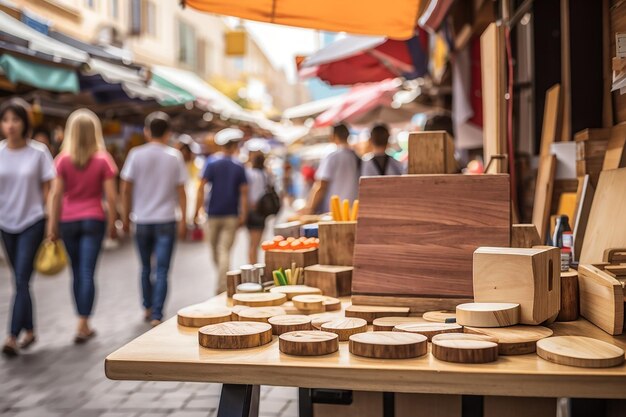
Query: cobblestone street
[[57, 378]]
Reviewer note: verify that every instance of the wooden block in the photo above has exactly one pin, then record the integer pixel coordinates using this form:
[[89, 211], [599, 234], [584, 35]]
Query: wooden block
[[584, 199], [334, 281], [464, 348], [235, 312], [233, 278], [259, 299], [289, 323], [601, 299], [314, 302], [275, 259], [543, 194], [291, 291], [308, 343], [592, 134], [345, 327], [332, 304], [199, 315], [441, 316], [428, 329], [487, 314], [320, 318], [371, 313], [552, 123], [388, 345], [569, 296], [614, 255], [408, 243], [386, 324], [431, 152], [528, 277], [615, 156], [592, 149], [616, 270], [336, 243], [524, 236], [514, 340], [235, 335], [416, 305], [260, 314], [289, 229], [580, 351]]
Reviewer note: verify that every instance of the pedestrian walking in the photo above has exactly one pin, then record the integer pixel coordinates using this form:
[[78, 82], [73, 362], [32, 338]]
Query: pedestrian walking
[[153, 188], [379, 162], [259, 182], [338, 174], [26, 172], [85, 173], [227, 206]]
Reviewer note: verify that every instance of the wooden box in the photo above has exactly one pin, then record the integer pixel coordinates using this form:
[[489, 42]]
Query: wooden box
[[336, 243], [601, 298], [431, 153], [529, 277], [275, 259], [334, 281]]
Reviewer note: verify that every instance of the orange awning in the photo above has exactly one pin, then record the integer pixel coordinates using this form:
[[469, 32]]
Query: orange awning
[[392, 18]]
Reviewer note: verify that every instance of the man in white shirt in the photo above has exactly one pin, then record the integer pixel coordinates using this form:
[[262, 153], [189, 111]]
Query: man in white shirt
[[153, 187], [379, 162], [338, 174]]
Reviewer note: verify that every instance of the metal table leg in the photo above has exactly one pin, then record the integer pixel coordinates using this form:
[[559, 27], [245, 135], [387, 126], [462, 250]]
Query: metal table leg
[[472, 405], [239, 401]]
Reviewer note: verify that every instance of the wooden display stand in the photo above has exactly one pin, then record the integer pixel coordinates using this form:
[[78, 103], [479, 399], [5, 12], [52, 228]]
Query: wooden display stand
[[336, 243], [431, 153], [275, 259], [601, 298], [334, 281]]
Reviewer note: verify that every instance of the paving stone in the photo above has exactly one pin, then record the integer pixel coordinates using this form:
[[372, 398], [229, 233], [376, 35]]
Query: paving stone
[[201, 403], [291, 410], [271, 406], [30, 400], [39, 412], [118, 414], [188, 413], [283, 393]]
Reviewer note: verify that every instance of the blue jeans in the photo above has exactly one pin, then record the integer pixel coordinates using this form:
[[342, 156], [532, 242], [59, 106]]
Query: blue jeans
[[155, 239], [21, 249], [83, 241]]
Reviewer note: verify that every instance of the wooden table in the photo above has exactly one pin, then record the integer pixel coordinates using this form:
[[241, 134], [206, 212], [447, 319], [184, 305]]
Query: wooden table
[[170, 352]]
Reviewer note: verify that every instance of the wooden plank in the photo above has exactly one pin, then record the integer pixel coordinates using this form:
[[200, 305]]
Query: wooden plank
[[420, 241], [615, 157], [566, 72], [416, 305], [524, 236], [551, 127], [543, 194], [583, 207], [431, 152]]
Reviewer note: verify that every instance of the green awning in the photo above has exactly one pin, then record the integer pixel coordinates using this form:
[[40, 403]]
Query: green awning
[[180, 95], [46, 77]]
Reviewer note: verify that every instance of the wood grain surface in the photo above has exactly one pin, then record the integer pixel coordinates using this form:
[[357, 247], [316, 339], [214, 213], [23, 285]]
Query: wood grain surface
[[371, 313], [584, 199], [235, 311], [514, 340], [308, 343], [524, 236], [261, 299], [431, 152], [199, 315], [336, 243], [580, 351], [388, 345], [235, 335], [601, 299], [332, 280], [260, 314], [487, 314], [309, 302], [289, 323], [417, 305], [439, 316], [320, 318], [293, 290], [345, 327], [464, 348], [543, 194], [386, 324], [332, 304], [420, 241], [428, 329], [569, 296]]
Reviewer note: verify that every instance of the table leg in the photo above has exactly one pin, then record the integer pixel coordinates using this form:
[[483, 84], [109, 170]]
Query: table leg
[[581, 407], [472, 406], [389, 404], [305, 402], [239, 401]]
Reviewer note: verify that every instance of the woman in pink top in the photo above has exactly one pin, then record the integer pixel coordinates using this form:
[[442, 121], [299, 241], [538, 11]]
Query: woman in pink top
[[85, 172]]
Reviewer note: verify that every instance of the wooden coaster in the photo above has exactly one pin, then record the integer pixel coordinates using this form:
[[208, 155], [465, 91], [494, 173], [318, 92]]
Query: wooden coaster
[[580, 351], [371, 313], [235, 335], [514, 340], [289, 323], [345, 327], [487, 314], [428, 329], [332, 304], [386, 324], [320, 318], [259, 299], [293, 290], [261, 314], [309, 302], [234, 311], [388, 345], [441, 316], [308, 343], [199, 315], [464, 348]]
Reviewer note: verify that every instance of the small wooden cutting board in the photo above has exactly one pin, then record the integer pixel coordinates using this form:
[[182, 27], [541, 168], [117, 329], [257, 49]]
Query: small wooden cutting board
[[309, 302], [388, 345], [261, 314], [371, 313], [235, 311], [289, 323], [199, 315], [235, 335], [514, 340], [320, 318], [259, 299], [440, 316], [487, 314], [580, 351], [464, 348], [332, 304], [345, 327], [293, 290], [428, 329], [308, 343], [386, 324]]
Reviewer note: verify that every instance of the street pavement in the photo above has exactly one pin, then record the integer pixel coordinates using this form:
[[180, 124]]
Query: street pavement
[[57, 378]]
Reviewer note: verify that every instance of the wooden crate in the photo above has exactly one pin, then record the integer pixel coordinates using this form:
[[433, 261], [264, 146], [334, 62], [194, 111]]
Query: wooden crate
[[431, 153], [275, 259], [336, 243], [334, 281]]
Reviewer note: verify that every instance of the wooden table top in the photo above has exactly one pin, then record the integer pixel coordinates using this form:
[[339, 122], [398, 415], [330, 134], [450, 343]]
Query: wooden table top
[[170, 352]]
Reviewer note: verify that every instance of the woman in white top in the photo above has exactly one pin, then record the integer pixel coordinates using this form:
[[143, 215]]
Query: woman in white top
[[26, 170], [258, 181]]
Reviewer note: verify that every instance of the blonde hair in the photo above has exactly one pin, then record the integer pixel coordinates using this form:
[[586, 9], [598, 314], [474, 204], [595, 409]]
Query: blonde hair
[[83, 136]]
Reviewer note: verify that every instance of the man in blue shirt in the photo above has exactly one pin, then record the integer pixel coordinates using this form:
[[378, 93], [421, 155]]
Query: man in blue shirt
[[227, 205]]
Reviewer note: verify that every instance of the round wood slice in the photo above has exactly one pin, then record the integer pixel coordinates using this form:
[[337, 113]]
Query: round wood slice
[[428, 329], [371, 313], [487, 314], [514, 340], [440, 316], [580, 351], [199, 315], [320, 318], [309, 302], [345, 327], [332, 304], [388, 345], [293, 290], [308, 343], [289, 323], [386, 324], [261, 314], [464, 348], [235, 311], [235, 335], [259, 299]]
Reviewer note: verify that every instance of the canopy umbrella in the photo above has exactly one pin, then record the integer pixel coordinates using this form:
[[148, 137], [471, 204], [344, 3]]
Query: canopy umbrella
[[393, 18]]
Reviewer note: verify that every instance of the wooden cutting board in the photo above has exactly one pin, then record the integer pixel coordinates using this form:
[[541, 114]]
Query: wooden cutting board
[[259, 299], [345, 327], [386, 324], [419, 242], [289, 323], [487, 314], [580, 351], [332, 304], [388, 345], [371, 313], [260, 314], [441, 316], [199, 315], [428, 329], [235, 335], [514, 340], [464, 348], [314, 302], [320, 318], [293, 290], [308, 343], [235, 312]]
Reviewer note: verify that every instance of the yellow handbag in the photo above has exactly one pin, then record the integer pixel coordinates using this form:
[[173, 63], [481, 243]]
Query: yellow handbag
[[51, 258]]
